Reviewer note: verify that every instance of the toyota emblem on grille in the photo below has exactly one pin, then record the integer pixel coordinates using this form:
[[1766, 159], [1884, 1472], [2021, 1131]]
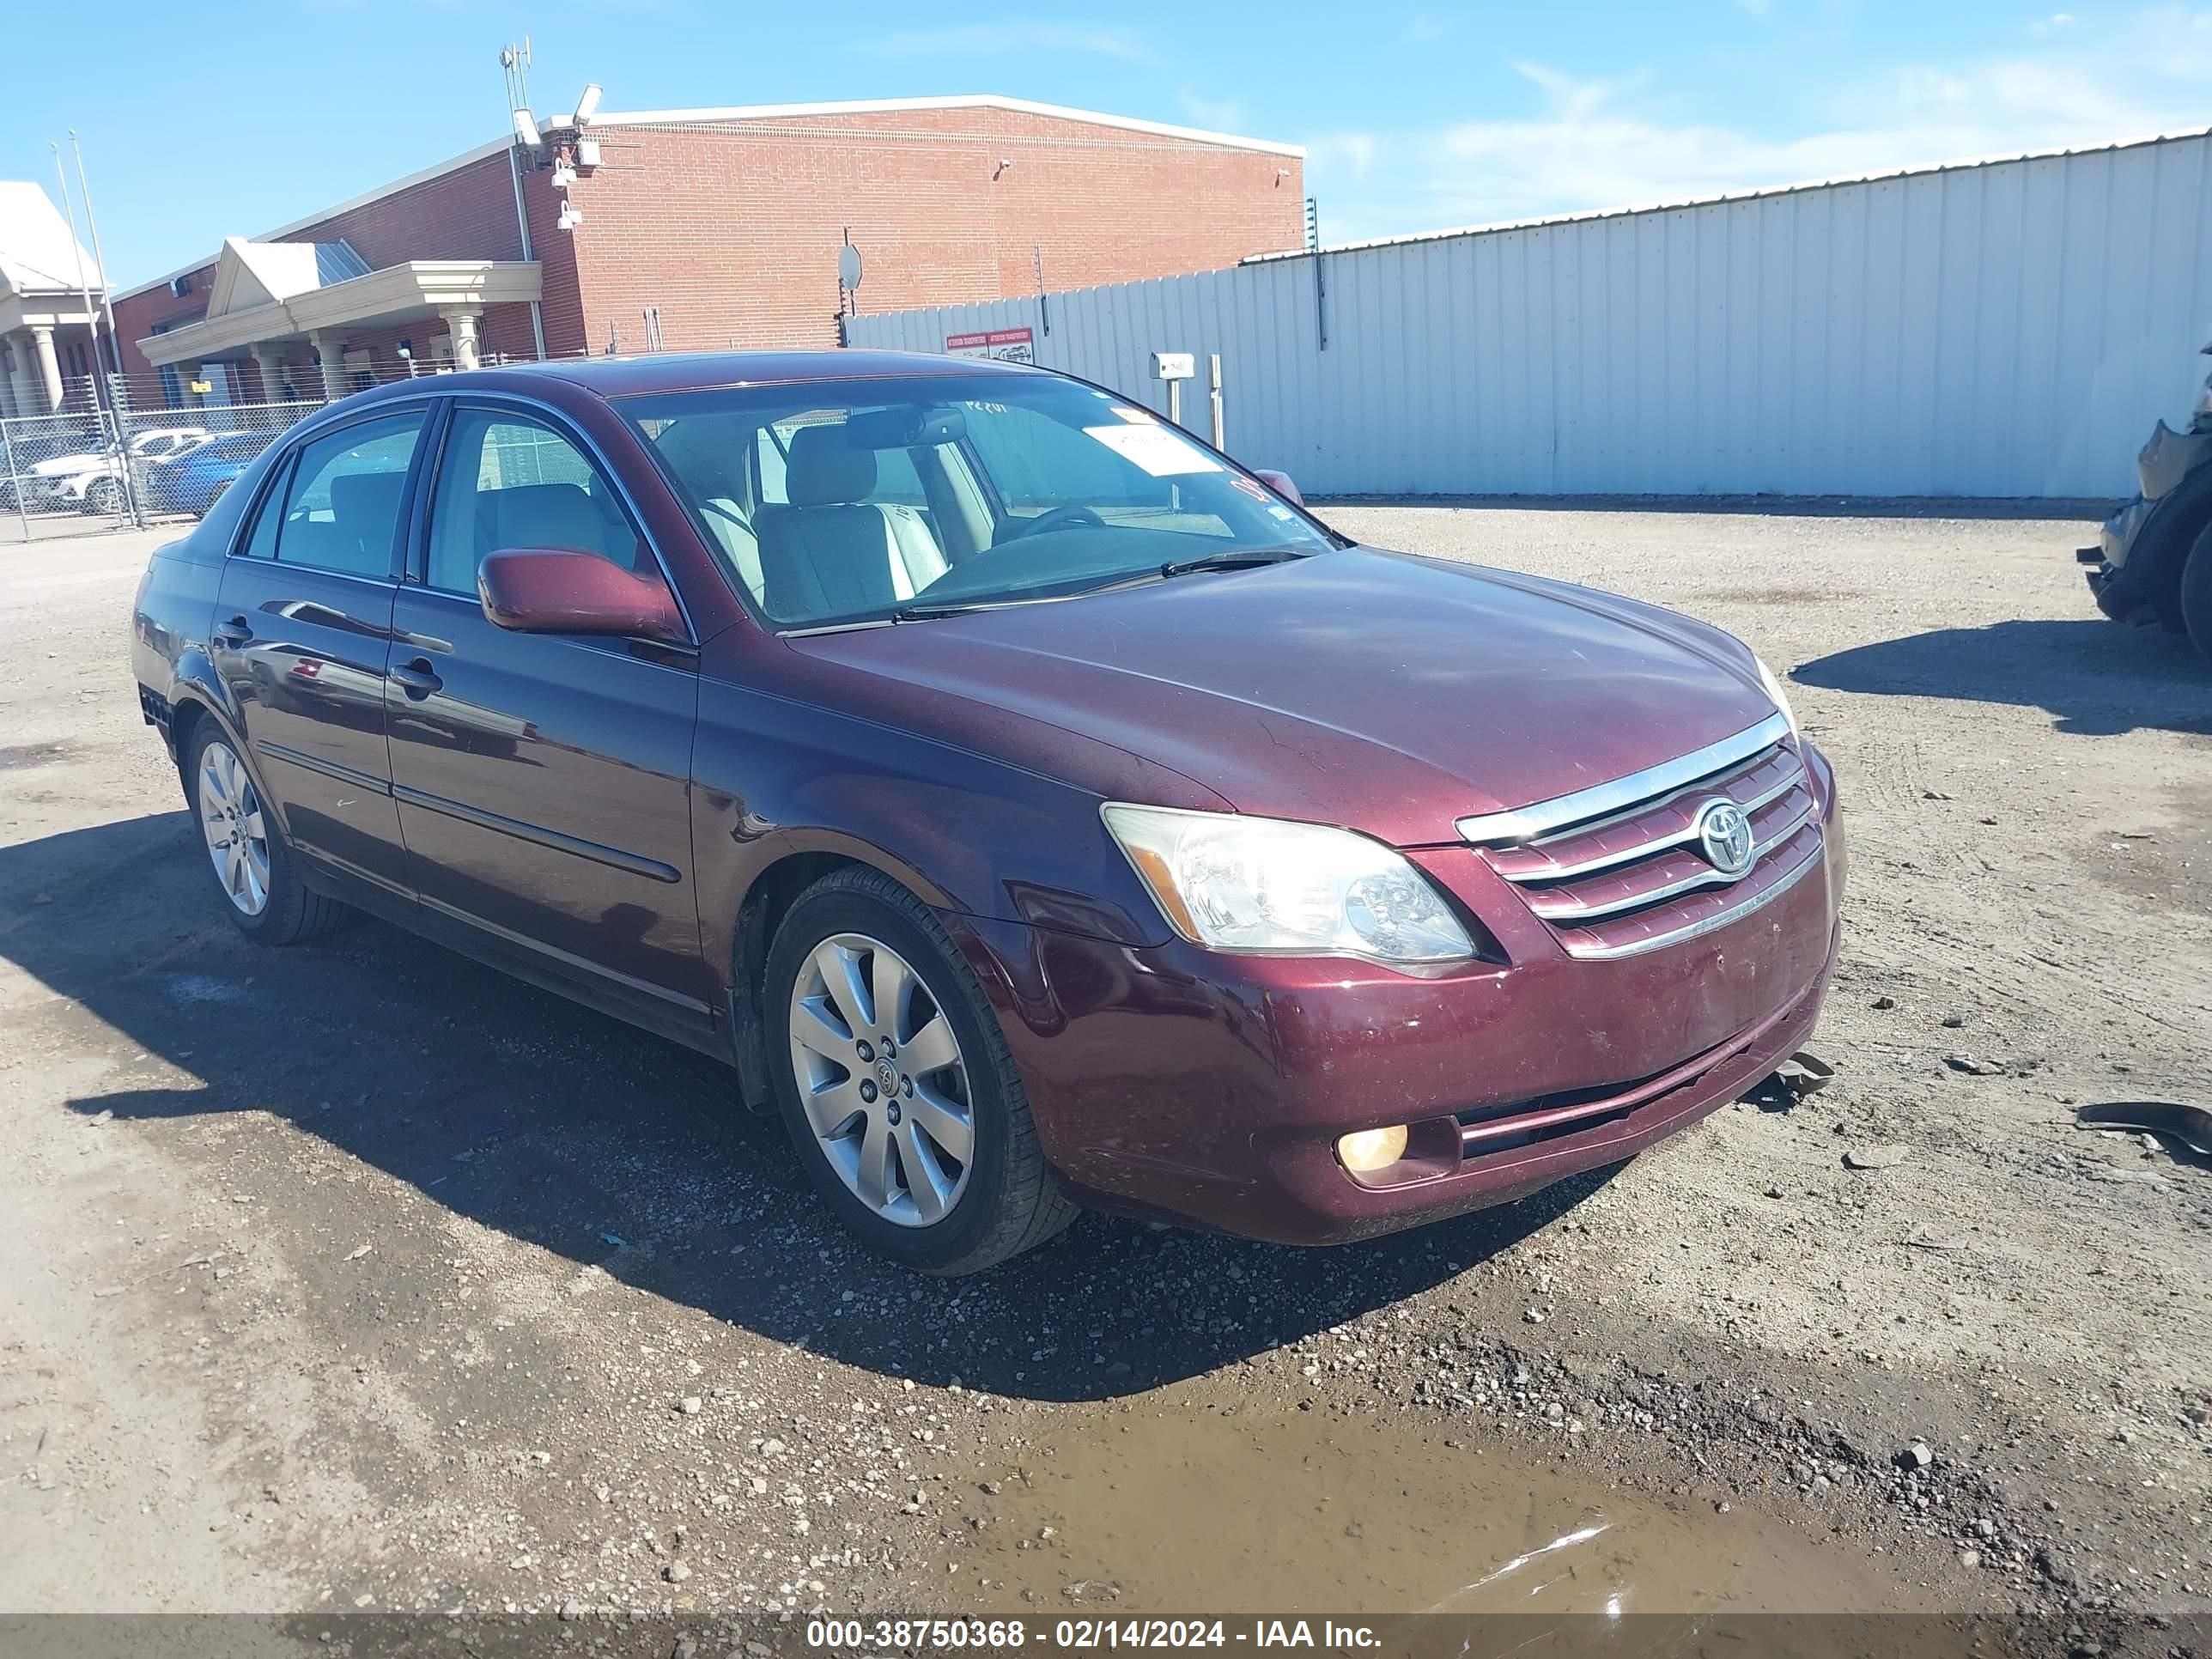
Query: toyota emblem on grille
[[1725, 835]]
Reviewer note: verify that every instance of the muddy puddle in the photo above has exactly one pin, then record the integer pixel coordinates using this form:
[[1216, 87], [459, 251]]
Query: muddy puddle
[[1155, 1507]]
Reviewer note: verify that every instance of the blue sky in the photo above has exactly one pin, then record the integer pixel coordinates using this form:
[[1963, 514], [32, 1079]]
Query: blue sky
[[201, 121]]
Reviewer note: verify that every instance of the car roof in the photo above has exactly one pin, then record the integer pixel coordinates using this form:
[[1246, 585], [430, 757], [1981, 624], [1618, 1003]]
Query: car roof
[[691, 371]]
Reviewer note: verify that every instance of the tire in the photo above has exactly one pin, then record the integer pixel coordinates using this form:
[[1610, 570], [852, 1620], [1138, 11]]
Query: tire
[[2197, 595], [1003, 1200], [103, 498], [287, 910]]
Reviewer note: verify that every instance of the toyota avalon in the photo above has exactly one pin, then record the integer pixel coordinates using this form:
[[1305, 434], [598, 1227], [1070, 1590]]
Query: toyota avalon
[[1036, 808]]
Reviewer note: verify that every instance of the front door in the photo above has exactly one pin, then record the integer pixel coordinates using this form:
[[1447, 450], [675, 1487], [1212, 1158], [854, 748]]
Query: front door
[[302, 636], [543, 779]]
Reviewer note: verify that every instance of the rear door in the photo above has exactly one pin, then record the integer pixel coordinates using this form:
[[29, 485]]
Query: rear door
[[543, 779], [302, 637]]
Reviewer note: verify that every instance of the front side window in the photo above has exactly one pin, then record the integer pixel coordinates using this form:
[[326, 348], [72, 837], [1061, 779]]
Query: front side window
[[341, 511], [509, 481], [860, 500]]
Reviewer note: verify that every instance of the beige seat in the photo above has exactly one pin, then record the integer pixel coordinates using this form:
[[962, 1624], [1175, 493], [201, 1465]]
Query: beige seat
[[832, 552]]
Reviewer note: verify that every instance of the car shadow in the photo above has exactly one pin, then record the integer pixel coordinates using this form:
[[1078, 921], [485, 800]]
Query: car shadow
[[574, 1132], [2095, 678]]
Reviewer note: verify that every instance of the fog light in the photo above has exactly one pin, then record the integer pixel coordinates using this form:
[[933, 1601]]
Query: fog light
[[1366, 1151]]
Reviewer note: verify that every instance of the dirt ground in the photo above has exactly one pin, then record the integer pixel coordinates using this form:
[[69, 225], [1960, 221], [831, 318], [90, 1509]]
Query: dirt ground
[[358, 1278]]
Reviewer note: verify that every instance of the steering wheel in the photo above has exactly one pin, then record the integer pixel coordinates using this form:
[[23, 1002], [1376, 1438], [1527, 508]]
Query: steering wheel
[[1060, 518]]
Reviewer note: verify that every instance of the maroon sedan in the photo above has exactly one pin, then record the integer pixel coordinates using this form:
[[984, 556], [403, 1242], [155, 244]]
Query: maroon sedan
[[1035, 807]]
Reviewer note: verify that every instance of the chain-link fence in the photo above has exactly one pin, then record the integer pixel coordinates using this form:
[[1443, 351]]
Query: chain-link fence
[[89, 468], [128, 453]]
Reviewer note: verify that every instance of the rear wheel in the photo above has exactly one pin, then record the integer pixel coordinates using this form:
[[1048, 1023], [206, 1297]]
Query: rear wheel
[[895, 1084], [257, 873], [2197, 595]]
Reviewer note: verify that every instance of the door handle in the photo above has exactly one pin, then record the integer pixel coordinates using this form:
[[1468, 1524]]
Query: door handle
[[234, 633], [418, 676]]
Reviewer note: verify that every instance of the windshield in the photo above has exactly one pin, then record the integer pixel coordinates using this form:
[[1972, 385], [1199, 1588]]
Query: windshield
[[858, 501]]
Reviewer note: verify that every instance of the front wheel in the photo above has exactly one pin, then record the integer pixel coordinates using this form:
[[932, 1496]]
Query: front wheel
[[256, 871], [103, 498], [896, 1085]]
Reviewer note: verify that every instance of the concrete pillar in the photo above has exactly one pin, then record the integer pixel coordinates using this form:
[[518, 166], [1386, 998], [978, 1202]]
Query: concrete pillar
[[330, 354], [21, 373], [461, 323], [269, 359], [11, 404], [49, 365]]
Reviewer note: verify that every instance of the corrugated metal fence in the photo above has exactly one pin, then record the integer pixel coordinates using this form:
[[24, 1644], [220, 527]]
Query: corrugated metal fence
[[2006, 328]]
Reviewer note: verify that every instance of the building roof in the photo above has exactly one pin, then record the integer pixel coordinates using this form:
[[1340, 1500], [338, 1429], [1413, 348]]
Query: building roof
[[256, 273], [739, 114], [1722, 199], [38, 254]]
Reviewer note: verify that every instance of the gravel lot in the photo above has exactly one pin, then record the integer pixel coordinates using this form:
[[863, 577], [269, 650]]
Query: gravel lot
[[356, 1277]]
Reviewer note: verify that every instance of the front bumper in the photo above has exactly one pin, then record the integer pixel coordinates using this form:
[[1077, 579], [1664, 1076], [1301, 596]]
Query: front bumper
[[2122, 566], [1174, 1082]]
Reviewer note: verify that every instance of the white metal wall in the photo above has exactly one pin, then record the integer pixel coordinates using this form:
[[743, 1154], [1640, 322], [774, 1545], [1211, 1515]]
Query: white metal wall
[[2010, 328]]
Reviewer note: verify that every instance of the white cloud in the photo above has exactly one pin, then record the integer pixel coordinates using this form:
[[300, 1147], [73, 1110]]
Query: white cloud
[[1599, 144], [1010, 34], [1221, 114]]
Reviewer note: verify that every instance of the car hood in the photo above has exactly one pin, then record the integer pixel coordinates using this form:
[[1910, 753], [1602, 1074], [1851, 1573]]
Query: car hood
[[1386, 693], [63, 465]]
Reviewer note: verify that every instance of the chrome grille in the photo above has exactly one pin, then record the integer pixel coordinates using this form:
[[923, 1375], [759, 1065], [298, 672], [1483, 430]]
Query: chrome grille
[[1618, 869]]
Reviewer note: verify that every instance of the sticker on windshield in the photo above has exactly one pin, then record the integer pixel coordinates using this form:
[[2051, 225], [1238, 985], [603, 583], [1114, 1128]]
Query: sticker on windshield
[[1156, 449], [1138, 416]]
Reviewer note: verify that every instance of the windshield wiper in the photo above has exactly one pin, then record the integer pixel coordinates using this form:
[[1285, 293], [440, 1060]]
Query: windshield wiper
[[1235, 558], [907, 613], [1239, 558]]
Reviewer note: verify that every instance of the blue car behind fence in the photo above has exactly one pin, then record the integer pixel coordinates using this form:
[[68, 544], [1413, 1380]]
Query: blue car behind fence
[[193, 483]]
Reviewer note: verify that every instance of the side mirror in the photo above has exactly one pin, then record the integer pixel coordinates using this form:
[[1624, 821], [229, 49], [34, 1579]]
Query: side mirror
[[558, 590], [1280, 484]]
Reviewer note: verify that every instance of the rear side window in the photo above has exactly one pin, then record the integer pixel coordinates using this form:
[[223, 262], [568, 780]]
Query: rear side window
[[262, 543], [509, 481], [342, 510]]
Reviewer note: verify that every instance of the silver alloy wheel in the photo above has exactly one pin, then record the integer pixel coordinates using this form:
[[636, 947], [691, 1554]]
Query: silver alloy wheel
[[237, 838], [882, 1079]]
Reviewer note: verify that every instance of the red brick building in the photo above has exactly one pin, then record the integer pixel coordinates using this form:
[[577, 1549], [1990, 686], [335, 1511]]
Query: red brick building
[[708, 228]]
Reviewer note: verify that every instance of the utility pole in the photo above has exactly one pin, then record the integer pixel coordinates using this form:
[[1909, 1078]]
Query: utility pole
[[111, 421], [99, 259], [515, 61]]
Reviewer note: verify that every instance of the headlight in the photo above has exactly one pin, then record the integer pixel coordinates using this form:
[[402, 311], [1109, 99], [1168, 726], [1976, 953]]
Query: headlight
[[1781, 698], [1268, 887]]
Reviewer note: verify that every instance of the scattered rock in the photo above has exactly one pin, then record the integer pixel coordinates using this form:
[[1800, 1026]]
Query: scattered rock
[[1974, 1066], [571, 1610], [1876, 1155], [675, 1572], [357, 1252], [1884, 1003], [690, 1405], [1916, 1456]]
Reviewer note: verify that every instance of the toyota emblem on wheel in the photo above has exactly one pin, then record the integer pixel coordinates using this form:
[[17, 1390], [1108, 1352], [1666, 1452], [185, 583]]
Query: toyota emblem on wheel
[[1725, 835]]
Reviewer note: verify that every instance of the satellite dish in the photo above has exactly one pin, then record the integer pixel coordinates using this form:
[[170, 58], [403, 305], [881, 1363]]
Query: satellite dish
[[848, 267]]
